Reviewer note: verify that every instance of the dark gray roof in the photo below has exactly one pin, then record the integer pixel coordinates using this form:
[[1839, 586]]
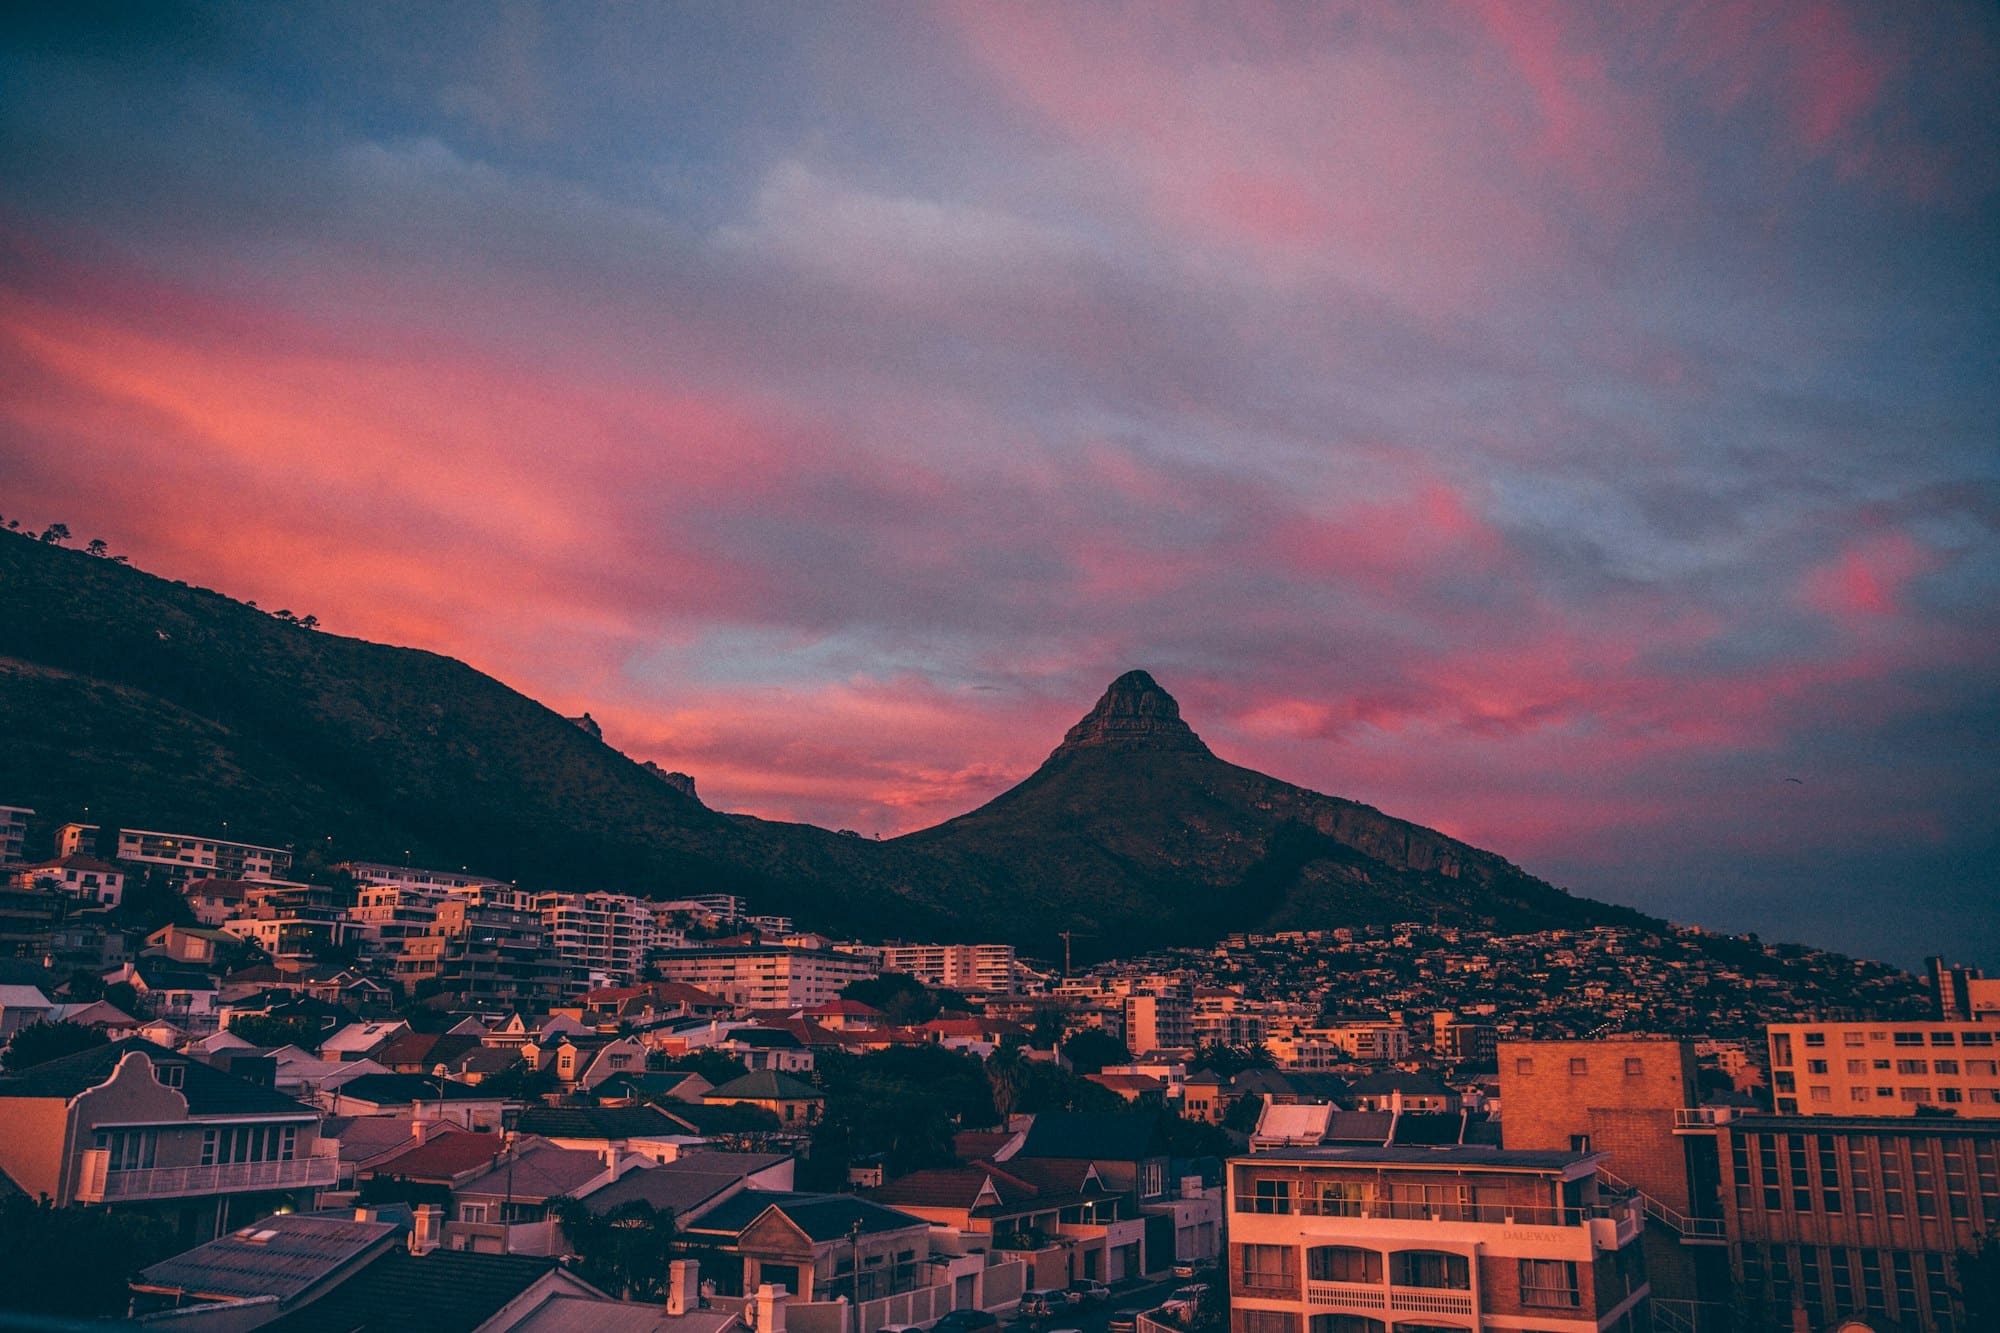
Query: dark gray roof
[[820, 1216], [1398, 1080], [279, 1256], [765, 1085], [597, 1122], [395, 1089], [1105, 1136], [1462, 1155], [684, 1185], [446, 1291], [209, 1091]]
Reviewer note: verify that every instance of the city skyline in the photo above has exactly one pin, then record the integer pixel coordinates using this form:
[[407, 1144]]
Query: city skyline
[[1575, 438]]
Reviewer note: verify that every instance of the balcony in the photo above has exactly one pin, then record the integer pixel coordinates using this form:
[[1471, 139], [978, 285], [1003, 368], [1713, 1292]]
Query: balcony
[[1701, 1119], [1375, 1296], [99, 1184], [1489, 1214]]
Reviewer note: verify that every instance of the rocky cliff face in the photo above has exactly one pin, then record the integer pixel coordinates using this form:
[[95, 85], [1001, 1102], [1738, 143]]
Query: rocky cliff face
[[1135, 713]]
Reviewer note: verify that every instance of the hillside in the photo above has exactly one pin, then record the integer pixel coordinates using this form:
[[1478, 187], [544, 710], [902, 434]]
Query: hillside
[[158, 704]]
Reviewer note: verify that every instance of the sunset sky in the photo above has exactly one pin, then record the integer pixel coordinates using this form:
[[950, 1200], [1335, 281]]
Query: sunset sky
[[1563, 426]]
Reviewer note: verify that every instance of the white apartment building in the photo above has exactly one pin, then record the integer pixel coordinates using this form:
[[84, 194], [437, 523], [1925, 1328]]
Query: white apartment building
[[607, 936], [988, 969], [192, 856], [417, 877], [766, 976]]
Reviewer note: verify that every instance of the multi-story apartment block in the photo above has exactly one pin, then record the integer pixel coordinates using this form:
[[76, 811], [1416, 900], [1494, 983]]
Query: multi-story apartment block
[[1831, 1218], [487, 953], [1886, 1069], [1161, 1021], [74, 838], [1365, 1240], [985, 969], [604, 937], [386, 915], [187, 856], [766, 976], [1222, 1017], [713, 906], [1373, 1039], [416, 877], [13, 833], [133, 1126]]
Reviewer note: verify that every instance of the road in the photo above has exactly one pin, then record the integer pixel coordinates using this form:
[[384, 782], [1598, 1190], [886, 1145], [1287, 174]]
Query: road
[[1092, 1316]]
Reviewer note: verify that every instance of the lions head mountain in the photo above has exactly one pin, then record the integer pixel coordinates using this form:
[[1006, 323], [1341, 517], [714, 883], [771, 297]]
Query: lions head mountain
[[155, 704]]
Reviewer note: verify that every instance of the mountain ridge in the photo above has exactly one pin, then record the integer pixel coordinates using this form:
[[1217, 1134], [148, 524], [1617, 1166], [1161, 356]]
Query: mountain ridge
[[155, 703]]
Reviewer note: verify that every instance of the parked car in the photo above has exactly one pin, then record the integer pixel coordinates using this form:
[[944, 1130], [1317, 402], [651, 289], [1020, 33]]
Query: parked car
[[1045, 1301], [966, 1321], [1185, 1268], [1089, 1289], [1124, 1321]]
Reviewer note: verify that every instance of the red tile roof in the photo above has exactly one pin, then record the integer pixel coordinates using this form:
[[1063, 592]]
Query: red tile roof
[[442, 1156]]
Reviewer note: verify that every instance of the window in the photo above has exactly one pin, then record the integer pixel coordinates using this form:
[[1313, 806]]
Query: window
[[1852, 1039], [1268, 1268], [1578, 1065], [1923, 1178], [1913, 1067], [1909, 1038], [1430, 1268], [1767, 1166], [1579, 1143], [1892, 1178], [1781, 1048], [1802, 1199], [1271, 1196], [1786, 1081], [1940, 1289], [129, 1149], [1881, 1064], [1343, 1263], [1956, 1191], [1829, 1173], [1944, 1039], [472, 1212], [1857, 1066], [1871, 1281], [1860, 1177], [1820, 1094], [1634, 1065], [1982, 1068], [1978, 1038], [1815, 1066], [1915, 1094], [1524, 1065], [1815, 1039], [1906, 1284], [171, 1076], [1342, 1198], [1550, 1284]]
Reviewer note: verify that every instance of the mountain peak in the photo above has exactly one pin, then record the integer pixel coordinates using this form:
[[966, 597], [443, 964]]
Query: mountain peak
[[1134, 714]]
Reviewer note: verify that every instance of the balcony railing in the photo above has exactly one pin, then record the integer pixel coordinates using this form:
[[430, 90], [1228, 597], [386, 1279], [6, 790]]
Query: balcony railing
[[1376, 1296], [99, 1184], [1493, 1214], [1704, 1117]]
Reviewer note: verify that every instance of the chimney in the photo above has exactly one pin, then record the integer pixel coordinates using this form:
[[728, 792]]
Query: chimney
[[770, 1303], [366, 1215], [424, 1234], [683, 1286]]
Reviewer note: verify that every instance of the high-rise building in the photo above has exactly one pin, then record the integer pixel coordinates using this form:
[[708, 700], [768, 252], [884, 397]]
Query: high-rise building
[[605, 937], [766, 976], [13, 833], [985, 969]]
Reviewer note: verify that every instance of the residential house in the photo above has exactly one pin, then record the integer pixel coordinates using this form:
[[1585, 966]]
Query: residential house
[[795, 1104], [818, 1246], [83, 879], [133, 1126]]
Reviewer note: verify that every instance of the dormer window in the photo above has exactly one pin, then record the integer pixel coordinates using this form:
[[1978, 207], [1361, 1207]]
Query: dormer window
[[170, 1076]]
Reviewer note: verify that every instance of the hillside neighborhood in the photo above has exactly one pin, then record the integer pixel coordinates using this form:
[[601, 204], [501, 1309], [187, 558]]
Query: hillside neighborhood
[[306, 1095]]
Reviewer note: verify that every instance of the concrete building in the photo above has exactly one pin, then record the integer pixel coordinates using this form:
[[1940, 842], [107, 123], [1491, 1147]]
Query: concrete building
[[1886, 1069], [13, 833], [1831, 1218], [1964, 994], [1382, 1040], [766, 976], [604, 937], [985, 969], [1362, 1240], [187, 856]]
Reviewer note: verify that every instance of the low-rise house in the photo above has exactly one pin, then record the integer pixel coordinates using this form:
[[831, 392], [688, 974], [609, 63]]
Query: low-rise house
[[182, 995], [214, 901], [197, 946], [103, 1015], [643, 1130], [1058, 1218], [415, 1095], [134, 1126], [84, 879], [689, 1186], [508, 1207], [683, 1085], [1401, 1090], [361, 1041], [810, 1244], [280, 1262], [20, 1007], [794, 1103]]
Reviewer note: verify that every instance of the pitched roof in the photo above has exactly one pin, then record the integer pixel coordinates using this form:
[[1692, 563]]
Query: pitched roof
[[764, 1085], [24, 997], [1116, 1136], [427, 1049], [685, 1184], [76, 861], [445, 1291], [394, 1089], [953, 1187], [537, 1169], [208, 1090], [820, 1216], [281, 1255], [597, 1122], [720, 1117], [442, 1156], [1398, 1080]]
